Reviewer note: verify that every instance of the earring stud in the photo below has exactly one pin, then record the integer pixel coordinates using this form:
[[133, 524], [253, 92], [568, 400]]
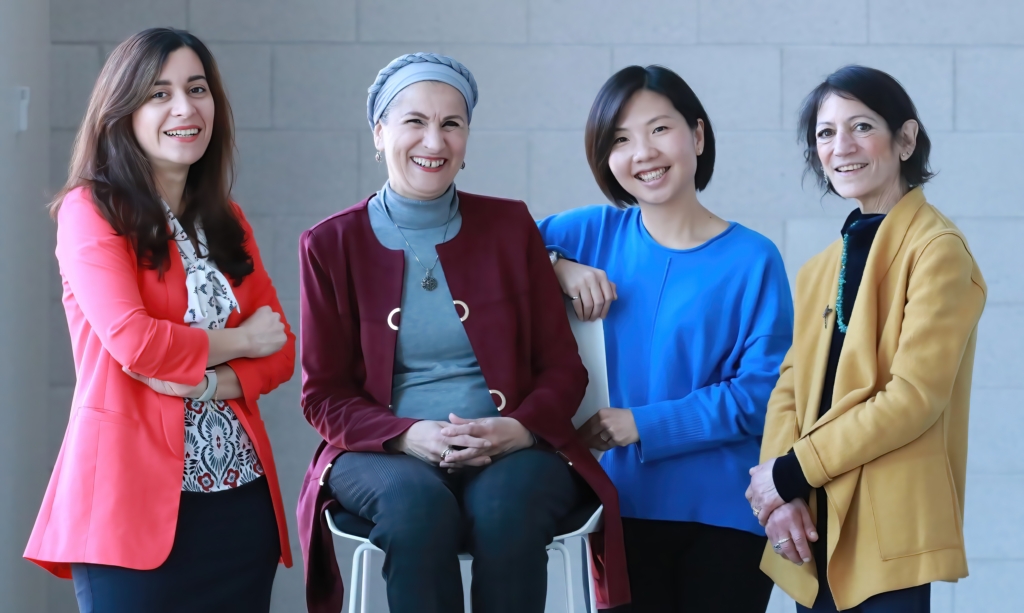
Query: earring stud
[[377, 157]]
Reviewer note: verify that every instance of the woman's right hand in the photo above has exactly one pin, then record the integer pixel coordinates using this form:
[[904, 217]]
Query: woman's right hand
[[424, 441], [791, 525], [264, 333], [591, 291]]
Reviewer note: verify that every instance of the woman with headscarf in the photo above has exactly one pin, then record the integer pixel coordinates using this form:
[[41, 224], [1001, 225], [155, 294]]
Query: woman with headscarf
[[864, 457], [439, 373]]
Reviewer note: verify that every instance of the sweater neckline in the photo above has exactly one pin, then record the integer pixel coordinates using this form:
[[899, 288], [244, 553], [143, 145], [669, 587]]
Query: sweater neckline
[[650, 239]]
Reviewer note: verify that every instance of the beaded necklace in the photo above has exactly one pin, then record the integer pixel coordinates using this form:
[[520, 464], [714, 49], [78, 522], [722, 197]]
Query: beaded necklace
[[842, 280]]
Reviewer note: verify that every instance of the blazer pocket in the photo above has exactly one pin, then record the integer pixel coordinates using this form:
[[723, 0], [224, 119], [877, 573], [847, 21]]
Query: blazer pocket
[[912, 500], [106, 415]]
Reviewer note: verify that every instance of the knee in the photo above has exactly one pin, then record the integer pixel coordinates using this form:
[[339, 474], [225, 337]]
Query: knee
[[511, 535], [419, 519]]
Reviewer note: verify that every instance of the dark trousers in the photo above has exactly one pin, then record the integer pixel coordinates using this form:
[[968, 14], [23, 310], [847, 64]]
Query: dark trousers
[[504, 515], [223, 560], [911, 600], [687, 567]]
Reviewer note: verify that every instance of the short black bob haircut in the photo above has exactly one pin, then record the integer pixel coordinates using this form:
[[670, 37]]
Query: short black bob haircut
[[604, 116], [881, 93]]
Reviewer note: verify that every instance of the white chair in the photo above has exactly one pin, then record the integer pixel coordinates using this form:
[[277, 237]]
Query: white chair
[[578, 524]]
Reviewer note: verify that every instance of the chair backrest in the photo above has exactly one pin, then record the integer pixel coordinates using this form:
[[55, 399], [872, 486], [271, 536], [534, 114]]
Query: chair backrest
[[590, 339]]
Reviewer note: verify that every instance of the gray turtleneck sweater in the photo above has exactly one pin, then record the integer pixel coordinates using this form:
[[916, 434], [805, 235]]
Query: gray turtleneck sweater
[[436, 372]]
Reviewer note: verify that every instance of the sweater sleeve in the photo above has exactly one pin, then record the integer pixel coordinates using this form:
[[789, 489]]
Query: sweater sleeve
[[574, 234], [734, 408]]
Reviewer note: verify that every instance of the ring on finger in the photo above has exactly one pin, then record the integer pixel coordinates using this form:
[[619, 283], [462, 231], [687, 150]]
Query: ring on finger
[[574, 298], [446, 452], [757, 512], [778, 546]]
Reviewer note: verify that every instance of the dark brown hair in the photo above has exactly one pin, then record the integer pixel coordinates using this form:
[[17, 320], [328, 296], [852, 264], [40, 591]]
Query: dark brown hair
[[881, 93], [108, 160], [604, 116]]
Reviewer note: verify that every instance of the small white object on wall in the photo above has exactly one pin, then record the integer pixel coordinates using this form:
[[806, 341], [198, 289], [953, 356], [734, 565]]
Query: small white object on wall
[[22, 95]]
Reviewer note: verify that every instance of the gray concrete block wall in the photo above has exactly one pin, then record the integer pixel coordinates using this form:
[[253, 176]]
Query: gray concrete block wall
[[297, 72]]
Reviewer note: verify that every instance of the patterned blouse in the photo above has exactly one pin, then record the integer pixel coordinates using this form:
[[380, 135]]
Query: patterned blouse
[[218, 453]]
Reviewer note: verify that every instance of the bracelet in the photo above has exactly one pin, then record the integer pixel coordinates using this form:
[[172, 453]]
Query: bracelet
[[211, 386], [554, 256]]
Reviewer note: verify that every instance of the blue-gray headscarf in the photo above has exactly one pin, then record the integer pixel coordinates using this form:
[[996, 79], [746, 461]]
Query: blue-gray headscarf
[[413, 68]]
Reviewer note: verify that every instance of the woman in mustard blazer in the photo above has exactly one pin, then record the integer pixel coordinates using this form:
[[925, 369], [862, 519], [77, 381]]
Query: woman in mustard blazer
[[861, 486], [164, 497]]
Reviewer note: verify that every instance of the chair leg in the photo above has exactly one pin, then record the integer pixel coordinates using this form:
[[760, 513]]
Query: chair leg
[[570, 605], [353, 584], [366, 581], [588, 575]]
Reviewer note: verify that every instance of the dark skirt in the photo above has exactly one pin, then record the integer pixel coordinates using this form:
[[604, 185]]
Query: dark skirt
[[225, 554]]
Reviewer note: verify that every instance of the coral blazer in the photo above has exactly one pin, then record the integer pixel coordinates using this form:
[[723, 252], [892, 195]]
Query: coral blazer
[[114, 492], [892, 451], [511, 306]]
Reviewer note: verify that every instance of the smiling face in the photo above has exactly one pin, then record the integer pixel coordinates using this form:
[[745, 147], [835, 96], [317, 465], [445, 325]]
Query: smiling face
[[858, 152], [423, 137], [654, 156], [173, 126]]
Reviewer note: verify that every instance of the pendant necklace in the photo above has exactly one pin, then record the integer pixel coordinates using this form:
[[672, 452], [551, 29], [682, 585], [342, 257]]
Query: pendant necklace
[[428, 282]]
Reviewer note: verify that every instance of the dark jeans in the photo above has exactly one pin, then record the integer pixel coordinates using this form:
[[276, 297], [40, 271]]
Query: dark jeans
[[224, 558], [504, 515], [911, 600], [687, 567]]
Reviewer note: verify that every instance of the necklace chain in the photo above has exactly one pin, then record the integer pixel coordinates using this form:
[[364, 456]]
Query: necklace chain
[[428, 282]]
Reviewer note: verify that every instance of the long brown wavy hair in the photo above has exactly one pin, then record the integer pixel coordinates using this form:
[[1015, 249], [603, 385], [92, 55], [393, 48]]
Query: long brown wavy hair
[[108, 160]]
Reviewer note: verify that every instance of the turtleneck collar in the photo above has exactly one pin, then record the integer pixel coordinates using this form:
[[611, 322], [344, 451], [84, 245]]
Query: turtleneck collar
[[419, 214]]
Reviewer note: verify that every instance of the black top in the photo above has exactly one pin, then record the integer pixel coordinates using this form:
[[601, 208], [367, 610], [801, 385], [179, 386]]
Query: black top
[[860, 230]]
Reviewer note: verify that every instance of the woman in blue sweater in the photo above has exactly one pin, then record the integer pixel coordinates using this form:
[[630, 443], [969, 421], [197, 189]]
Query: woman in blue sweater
[[701, 321]]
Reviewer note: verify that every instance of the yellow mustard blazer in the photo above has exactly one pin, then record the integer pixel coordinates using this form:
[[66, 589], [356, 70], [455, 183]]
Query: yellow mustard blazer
[[891, 453]]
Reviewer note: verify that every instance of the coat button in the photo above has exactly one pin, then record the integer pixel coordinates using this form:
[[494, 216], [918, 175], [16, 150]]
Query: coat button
[[391, 316], [465, 309], [500, 397]]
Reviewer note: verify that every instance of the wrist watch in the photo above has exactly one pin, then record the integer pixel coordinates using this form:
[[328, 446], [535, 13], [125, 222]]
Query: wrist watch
[[211, 385], [554, 256]]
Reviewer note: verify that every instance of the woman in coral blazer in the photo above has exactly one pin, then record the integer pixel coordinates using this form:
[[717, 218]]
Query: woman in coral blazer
[[165, 479], [868, 421]]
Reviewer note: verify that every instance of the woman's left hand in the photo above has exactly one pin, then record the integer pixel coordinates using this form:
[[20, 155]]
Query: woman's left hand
[[504, 433], [168, 388], [761, 494], [610, 428]]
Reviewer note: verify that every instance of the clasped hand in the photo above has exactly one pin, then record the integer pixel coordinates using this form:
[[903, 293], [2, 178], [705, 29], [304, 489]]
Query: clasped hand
[[786, 524], [477, 441]]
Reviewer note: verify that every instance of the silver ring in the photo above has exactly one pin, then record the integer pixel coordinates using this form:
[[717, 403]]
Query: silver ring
[[778, 546], [446, 452], [574, 298]]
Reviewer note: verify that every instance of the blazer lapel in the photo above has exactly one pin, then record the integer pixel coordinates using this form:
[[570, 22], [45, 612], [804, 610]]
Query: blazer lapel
[[857, 373]]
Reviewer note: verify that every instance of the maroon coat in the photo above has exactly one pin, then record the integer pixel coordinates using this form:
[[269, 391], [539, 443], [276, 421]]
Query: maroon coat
[[497, 265]]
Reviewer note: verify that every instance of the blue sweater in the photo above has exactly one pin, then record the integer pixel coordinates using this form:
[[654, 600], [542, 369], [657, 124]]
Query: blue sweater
[[694, 345]]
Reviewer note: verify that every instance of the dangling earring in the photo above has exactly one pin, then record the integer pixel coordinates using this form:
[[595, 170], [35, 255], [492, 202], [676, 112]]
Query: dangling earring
[[463, 167], [377, 157]]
